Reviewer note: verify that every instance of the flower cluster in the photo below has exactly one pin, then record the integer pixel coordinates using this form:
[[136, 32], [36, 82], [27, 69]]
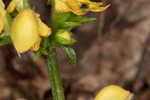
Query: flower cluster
[[27, 32], [75, 6], [27, 28]]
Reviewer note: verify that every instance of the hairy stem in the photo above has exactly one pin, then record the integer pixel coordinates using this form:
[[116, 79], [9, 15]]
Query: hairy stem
[[57, 89], [56, 84]]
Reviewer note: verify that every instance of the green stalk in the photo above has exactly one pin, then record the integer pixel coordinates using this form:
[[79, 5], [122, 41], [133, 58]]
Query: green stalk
[[52, 64], [56, 84]]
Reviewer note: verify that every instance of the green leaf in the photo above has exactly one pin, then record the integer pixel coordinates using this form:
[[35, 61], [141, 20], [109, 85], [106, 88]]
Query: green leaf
[[71, 54], [70, 25], [81, 19], [58, 20], [71, 21], [68, 21]]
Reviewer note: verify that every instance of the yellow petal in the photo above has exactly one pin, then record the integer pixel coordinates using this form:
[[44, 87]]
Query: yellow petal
[[95, 8], [1, 25], [44, 30], [19, 5], [24, 32], [36, 46], [2, 16], [113, 92], [2, 4], [2, 11], [11, 7], [15, 4], [61, 6], [74, 5]]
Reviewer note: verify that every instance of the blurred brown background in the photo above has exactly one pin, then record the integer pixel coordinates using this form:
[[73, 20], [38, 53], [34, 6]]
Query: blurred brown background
[[113, 50]]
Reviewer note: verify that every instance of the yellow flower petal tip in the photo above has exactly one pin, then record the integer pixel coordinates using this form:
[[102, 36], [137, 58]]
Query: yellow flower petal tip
[[25, 32], [75, 6], [114, 92], [98, 9]]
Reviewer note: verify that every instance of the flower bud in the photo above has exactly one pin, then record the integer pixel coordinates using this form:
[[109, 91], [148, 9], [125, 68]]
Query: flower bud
[[114, 93], [64, 37]]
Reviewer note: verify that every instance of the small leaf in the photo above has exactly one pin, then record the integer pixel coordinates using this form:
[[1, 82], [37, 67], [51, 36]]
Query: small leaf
[[70, 25], [71, 54], [80, 19]]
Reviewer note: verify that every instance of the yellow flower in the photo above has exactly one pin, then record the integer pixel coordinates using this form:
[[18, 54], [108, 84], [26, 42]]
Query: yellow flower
[[2, 16], [27, 29], [15, 4], [114, 92], [75, 6]]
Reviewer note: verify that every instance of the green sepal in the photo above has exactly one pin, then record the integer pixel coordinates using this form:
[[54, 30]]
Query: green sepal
[[66, 42]]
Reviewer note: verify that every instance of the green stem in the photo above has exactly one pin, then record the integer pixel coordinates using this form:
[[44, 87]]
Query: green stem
[[56, 84], [57, 89]]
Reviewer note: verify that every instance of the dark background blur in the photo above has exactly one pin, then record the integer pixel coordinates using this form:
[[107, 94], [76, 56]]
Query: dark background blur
[[113, 50]]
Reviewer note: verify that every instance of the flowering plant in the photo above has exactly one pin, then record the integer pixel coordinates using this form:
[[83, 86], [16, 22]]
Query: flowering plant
[[26, 31]]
